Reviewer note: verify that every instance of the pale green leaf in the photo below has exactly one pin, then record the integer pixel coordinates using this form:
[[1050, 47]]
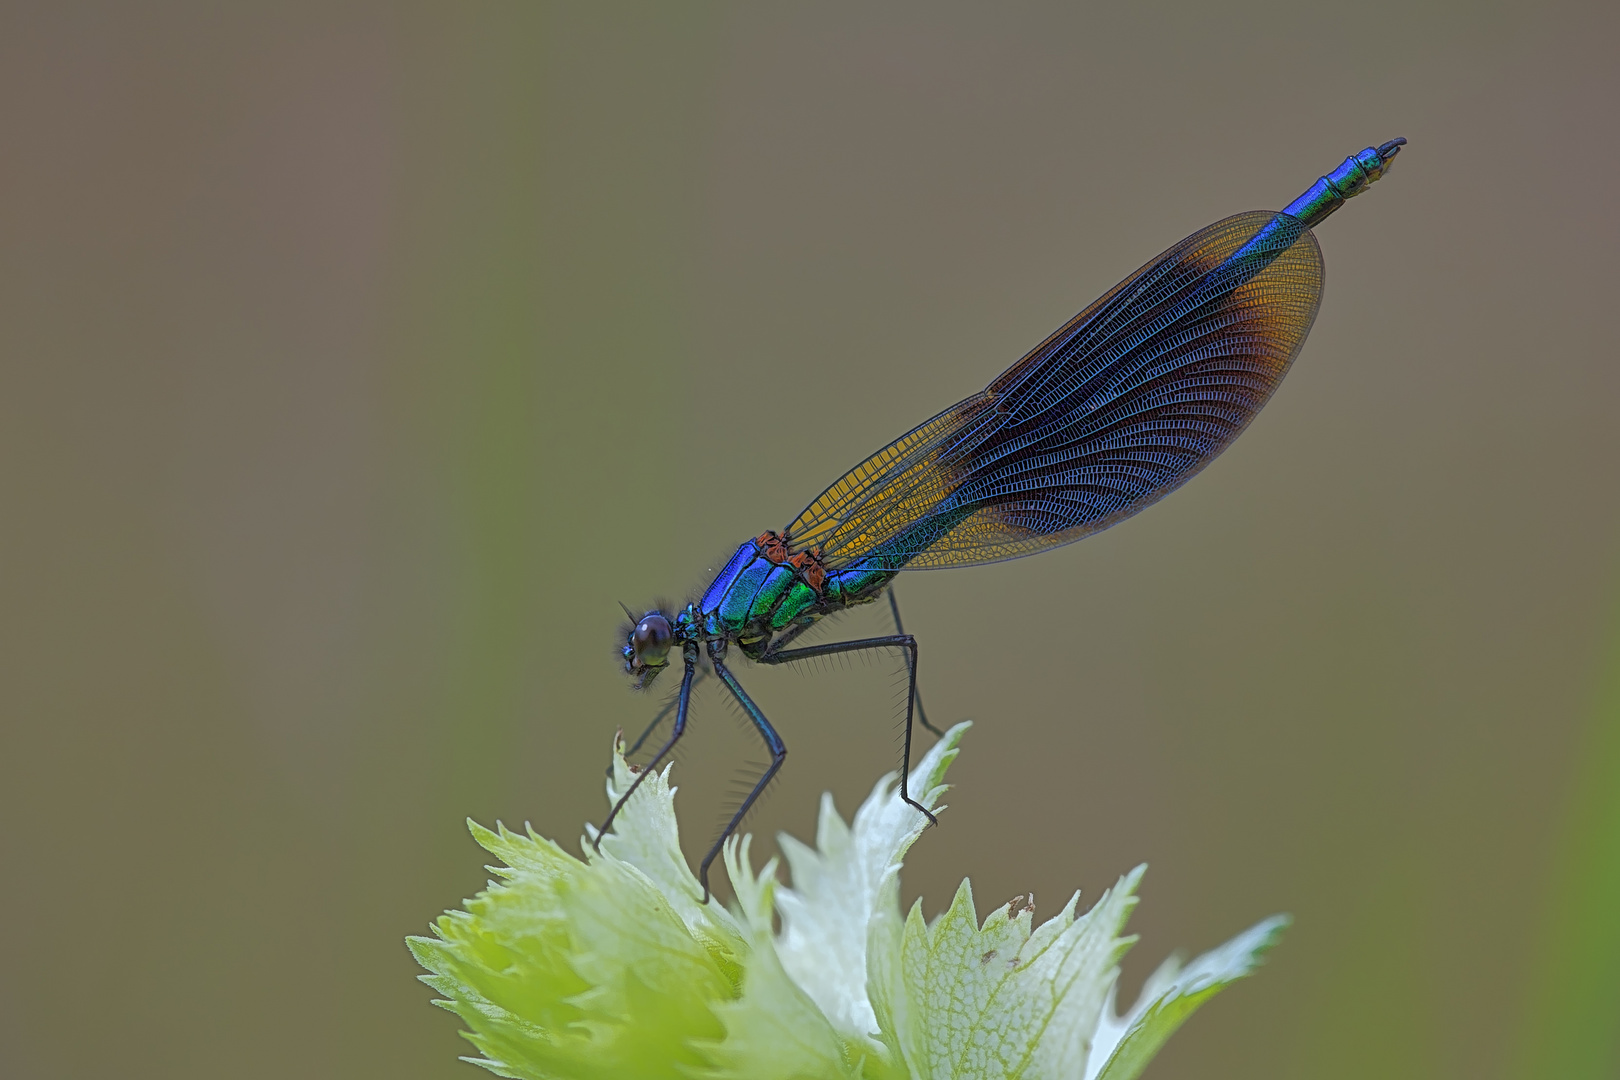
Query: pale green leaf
[[1126, 1044], [616, 966], [774, 1031], [840, 884], [645, 835], [566, 969], [996, 1000]]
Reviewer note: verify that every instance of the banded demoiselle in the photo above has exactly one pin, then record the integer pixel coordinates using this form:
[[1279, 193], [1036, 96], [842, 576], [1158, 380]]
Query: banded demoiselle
[[1120, 406]]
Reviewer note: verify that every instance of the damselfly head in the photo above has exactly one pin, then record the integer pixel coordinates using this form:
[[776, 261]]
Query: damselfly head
[[646, 648]]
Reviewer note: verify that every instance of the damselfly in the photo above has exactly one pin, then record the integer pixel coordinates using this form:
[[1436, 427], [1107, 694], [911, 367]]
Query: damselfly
[[1119, 407]]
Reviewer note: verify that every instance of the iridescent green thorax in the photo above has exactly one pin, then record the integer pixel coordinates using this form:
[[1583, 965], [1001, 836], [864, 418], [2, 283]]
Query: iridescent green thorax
[[766, 589]]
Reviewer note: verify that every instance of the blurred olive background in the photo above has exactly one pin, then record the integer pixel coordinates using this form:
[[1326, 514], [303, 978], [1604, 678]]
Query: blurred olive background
[[357, 361]]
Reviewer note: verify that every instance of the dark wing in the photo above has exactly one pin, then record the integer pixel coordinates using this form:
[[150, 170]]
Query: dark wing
[[1119, 407]]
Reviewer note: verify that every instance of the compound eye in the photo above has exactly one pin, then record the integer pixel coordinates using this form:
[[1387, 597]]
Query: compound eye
[[652, 639]]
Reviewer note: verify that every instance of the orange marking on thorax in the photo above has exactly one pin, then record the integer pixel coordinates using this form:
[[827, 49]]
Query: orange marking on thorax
[[773, 547], [807, 563]]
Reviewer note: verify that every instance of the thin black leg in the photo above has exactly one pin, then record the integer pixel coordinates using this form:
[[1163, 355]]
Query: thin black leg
[[899, 628], [674, 736], [668, 708], [773, 742], [895, 641], [782, 640]]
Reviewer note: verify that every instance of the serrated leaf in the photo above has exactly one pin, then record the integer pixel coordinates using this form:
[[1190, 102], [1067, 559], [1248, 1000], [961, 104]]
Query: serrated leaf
[[616, 966], [840, 884], [996, 1000], [774, 1031], [647, 837], [1126, 1044]]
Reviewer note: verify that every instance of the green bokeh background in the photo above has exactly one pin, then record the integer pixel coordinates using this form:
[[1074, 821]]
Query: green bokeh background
[[357, 360]]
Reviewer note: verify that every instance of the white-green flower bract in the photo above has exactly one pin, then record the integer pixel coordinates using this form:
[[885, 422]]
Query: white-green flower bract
[[616, 968]]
